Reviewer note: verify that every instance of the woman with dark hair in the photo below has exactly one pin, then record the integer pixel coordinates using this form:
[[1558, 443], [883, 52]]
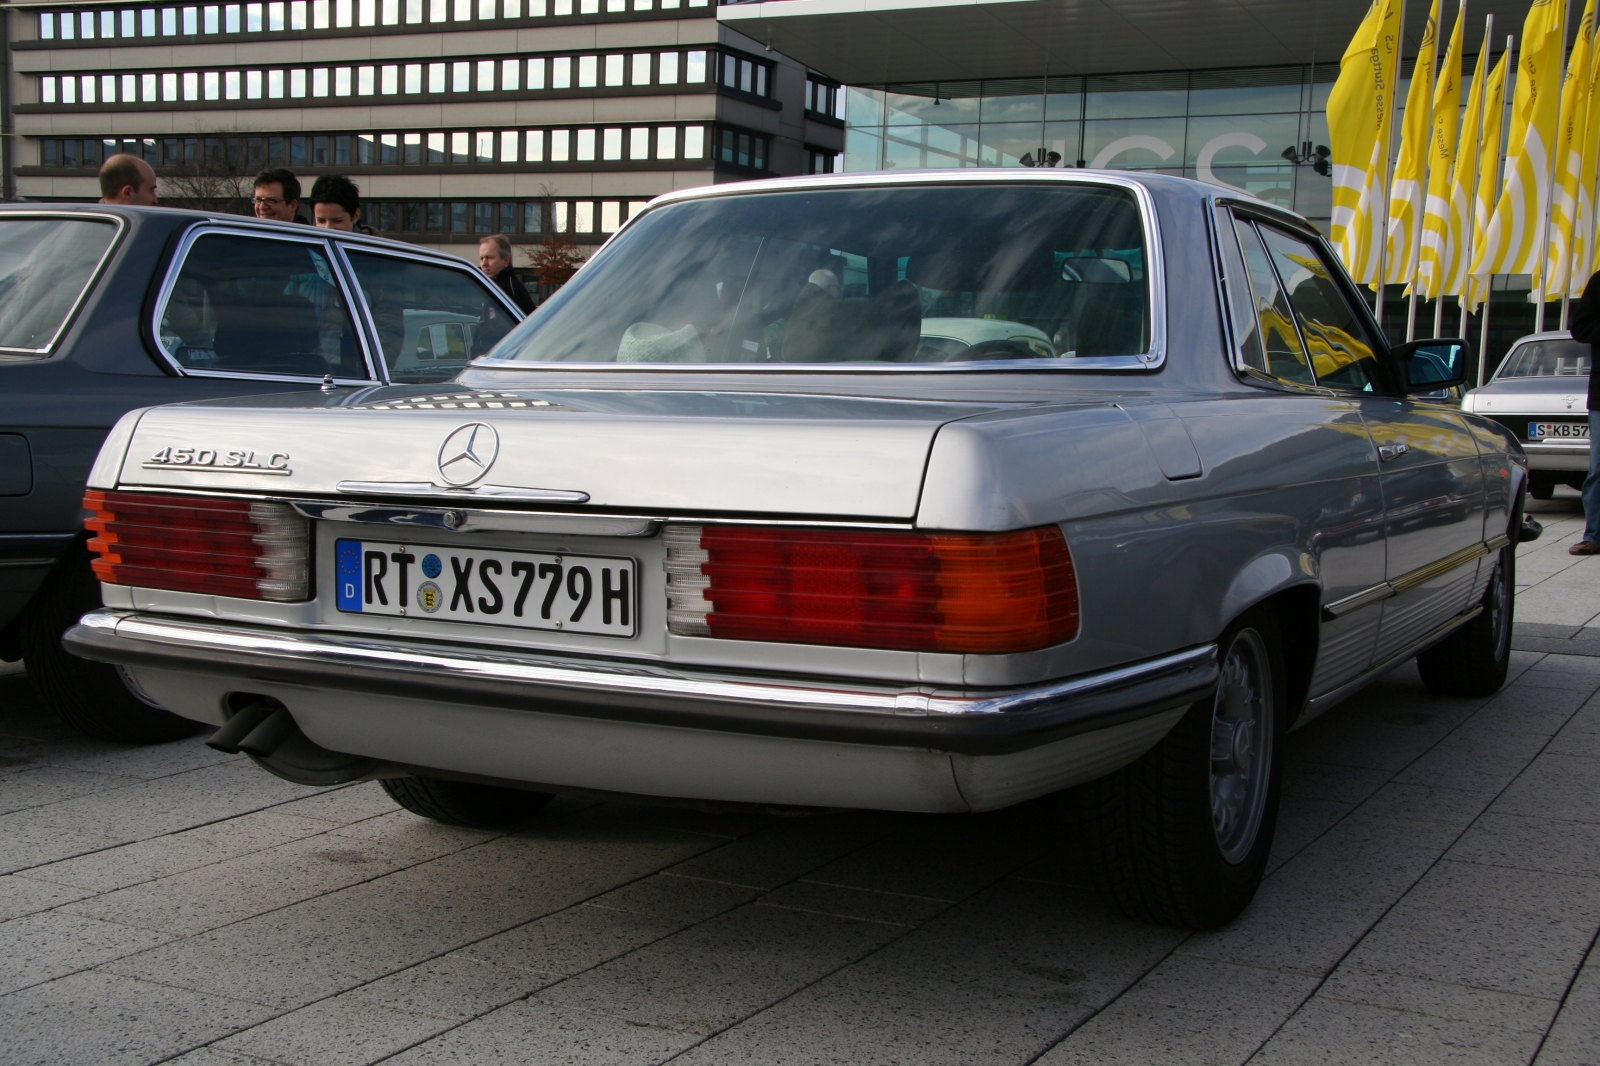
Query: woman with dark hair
[[336, 204]]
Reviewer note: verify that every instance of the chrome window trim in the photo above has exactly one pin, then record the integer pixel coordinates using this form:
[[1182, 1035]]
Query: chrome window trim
[[1155, 276], [89, 286], [197, 230], [370, 324]]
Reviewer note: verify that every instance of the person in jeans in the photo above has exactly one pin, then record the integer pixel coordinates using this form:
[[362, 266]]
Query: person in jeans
[[1585, 324]]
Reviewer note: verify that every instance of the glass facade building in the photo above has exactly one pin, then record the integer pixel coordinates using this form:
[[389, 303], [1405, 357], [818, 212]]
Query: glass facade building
[[1254, 129]]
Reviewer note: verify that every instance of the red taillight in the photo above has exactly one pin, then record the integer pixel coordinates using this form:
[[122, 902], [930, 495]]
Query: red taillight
[[245, 548], [957, 592]]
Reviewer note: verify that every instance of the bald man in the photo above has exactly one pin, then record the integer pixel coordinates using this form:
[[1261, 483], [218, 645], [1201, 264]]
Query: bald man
[[127, 179]]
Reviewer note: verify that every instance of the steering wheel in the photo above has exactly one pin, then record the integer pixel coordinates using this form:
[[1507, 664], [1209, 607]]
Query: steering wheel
[[999, 349]]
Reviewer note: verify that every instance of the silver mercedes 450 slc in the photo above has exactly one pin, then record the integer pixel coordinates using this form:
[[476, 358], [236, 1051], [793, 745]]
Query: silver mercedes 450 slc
[[933, 492], [1540, 393]]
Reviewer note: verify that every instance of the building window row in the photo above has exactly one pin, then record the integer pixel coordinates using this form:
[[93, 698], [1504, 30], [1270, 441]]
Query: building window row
[[419, 219], [279, 16], [741, 149], [654, 69], [423, 148], [823, 160], [824, 97]]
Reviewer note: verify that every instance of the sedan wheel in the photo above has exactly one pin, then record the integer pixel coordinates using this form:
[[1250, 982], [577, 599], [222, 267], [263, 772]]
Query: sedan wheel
[[1241, 746], [1474, 660], [1181, 836], [97, 699]]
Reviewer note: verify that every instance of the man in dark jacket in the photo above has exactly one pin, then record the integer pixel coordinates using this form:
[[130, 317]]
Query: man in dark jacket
[[494, 258], [1585, 322]]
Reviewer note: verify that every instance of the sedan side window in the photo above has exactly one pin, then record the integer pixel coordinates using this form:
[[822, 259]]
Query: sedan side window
[[251, 305], [1340, 354], [431, 320], [1274, 349]]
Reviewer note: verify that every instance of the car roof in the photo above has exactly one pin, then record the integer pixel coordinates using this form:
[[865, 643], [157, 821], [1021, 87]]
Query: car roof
[[176, 218], [1547, 335]]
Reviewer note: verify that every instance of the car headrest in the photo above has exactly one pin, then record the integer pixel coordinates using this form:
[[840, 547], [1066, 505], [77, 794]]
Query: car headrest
[[988, 270]]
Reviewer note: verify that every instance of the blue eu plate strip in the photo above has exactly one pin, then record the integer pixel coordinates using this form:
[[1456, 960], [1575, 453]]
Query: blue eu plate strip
[[347, 555]]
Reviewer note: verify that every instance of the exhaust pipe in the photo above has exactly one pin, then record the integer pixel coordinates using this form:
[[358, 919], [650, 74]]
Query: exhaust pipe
[[264, 729], [243, 722], [269, 736]]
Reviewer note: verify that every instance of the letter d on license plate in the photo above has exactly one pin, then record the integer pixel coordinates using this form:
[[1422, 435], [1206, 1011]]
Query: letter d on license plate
[[531, 590]]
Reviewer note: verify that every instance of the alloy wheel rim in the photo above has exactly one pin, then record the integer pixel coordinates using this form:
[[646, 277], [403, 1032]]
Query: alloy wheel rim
[[1241, 746], [1497, 607]]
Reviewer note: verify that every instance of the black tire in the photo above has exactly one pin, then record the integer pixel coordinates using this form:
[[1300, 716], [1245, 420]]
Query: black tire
[[463, 803], [1473, 660], [1541, 487], [1150, 831], [97, 699]]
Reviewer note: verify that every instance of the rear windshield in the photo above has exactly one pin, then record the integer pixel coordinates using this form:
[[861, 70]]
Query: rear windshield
[[45, 266], [1547, 359], [940, 274]]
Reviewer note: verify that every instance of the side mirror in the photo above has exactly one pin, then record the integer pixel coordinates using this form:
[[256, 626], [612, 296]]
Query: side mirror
[[1095, 271], [1433, 365]]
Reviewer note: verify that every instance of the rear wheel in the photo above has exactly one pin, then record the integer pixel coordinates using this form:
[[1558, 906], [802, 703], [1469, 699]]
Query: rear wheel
[[100, 700], [1181, 836], [463, 803], [1541, 486], [1474, 660]]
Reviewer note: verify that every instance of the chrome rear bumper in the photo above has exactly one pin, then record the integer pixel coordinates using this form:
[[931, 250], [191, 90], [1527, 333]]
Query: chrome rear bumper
[[959, 721]]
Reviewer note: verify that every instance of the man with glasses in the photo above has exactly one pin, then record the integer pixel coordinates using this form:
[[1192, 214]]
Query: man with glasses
[[277, 195]]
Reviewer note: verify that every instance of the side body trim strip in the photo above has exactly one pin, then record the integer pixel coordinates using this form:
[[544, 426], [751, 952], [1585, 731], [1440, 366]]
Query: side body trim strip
[[1413, 578]]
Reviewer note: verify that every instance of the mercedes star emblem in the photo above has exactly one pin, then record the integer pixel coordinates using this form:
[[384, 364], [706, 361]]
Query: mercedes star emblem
[[468, 453]]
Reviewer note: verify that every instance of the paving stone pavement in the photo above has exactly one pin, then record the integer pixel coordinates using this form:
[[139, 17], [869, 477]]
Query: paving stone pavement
[[1434, 897]]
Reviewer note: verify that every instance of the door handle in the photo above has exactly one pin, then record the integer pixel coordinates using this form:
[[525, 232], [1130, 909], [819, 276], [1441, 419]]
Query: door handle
[[1389, 452]]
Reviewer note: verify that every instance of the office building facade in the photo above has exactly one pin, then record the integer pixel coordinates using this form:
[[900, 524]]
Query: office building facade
[[457, 118]]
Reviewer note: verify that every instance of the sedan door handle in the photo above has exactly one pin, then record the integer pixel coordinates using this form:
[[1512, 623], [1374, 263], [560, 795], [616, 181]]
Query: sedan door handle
[[1387, 453]]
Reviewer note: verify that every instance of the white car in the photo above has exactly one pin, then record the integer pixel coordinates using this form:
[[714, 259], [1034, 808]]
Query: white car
[[1540, 393]]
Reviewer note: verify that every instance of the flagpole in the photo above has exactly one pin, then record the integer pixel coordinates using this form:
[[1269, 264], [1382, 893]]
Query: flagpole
[[1549, 195], [1387, 168], [1477, 146]]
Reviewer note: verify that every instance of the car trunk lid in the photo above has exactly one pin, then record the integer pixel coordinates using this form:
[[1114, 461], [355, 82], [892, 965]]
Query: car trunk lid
[[664, 452]]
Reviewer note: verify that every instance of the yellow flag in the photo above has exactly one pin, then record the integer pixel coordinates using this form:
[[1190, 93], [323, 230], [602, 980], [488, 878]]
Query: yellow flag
[[1446, 207], [1407, 186], [1568, 199], [1511, 245], [1475, 287], [1464, 182], [1586, 254], [1358, 119], [1584, 244]]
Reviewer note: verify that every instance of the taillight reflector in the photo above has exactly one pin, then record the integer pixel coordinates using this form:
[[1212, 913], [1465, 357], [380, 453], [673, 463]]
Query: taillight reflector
[[984, 593], [244, 548]]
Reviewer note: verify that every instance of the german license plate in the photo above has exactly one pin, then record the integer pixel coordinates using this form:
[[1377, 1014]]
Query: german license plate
[[1558, 430], [532, 590]]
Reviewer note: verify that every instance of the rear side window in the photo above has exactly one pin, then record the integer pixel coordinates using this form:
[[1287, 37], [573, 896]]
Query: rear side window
[[255, 305], [46, 265], [1272, 344], [431, 320]]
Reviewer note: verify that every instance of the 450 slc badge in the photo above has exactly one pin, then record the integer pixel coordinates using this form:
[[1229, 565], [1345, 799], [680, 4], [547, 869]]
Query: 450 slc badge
[[237, 460]]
